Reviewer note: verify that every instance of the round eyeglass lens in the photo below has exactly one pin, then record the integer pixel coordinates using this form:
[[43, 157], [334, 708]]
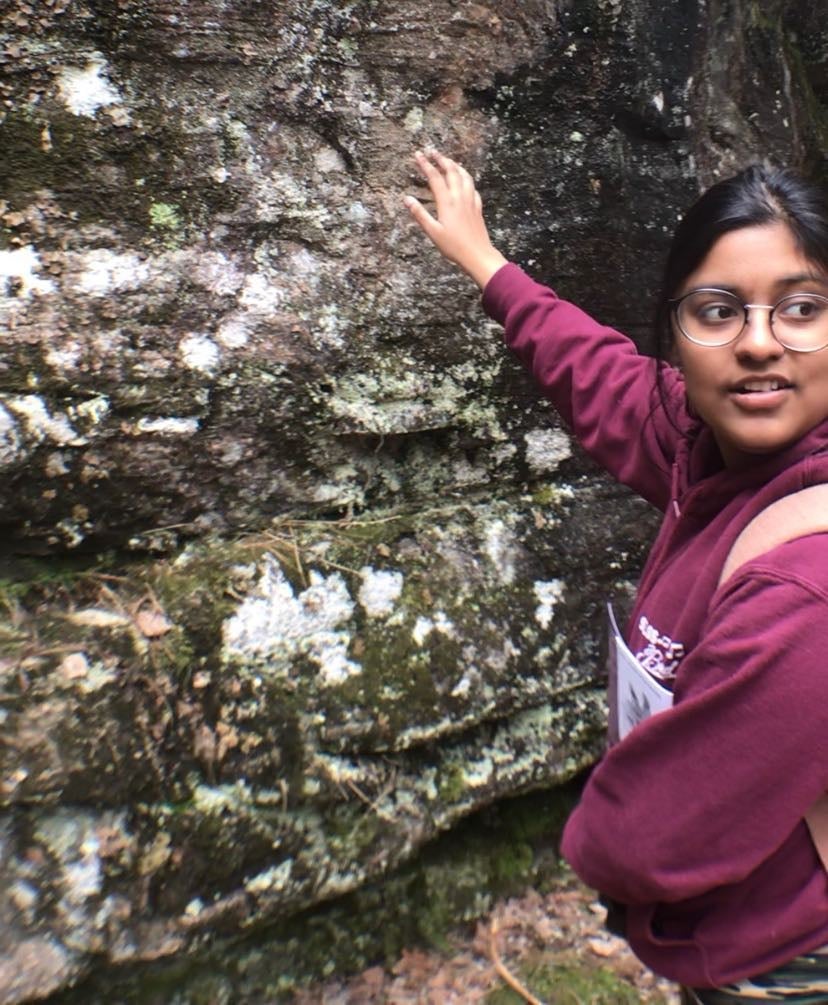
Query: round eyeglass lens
[[800, 322], [711, 317]]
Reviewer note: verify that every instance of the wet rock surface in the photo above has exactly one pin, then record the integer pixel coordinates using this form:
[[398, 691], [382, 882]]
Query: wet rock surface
[[297, 571]]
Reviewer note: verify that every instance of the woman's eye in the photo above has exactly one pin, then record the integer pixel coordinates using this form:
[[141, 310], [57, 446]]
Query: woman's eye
[[803, 308], [713, 313]]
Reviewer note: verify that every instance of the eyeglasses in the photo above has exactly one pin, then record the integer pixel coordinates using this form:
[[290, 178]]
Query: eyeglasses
[[716, 318]]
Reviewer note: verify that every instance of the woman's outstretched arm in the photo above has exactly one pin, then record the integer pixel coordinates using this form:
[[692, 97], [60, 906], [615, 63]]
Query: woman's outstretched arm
[[602, 388]]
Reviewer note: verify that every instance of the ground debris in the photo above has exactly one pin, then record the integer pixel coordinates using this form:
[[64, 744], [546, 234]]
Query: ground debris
[[564, 926]]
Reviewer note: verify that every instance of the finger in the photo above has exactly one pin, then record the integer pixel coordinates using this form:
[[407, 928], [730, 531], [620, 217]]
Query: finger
[[422, 216], [449, 168], [438, 160], [432, 175], [456, 176], [466, 179]]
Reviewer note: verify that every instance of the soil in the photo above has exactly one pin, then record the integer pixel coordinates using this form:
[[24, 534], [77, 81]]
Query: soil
[[553, 944]]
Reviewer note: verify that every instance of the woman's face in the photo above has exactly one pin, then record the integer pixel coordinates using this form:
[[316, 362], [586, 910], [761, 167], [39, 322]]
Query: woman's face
[[755, 395]]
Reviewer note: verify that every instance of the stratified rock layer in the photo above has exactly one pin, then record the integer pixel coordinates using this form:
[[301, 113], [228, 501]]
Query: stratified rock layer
[[225, 738]]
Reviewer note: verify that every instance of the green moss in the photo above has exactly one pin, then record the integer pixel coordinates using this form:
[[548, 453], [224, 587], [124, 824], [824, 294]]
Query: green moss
[[452, 782], [513, 864], [164, 216], [758, 17], [567, 982]]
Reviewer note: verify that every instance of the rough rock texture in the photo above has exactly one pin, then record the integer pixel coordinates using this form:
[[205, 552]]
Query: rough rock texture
[[216, 310], [224, 738], [378, 561]]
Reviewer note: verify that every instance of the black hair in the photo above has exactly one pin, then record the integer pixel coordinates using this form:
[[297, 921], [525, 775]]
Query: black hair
[[757, 195]]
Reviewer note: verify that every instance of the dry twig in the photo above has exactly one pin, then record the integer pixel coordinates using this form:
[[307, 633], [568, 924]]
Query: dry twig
[[502, 969]]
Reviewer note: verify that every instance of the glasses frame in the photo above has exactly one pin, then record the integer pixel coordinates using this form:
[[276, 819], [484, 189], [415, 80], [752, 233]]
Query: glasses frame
[[675, 304]]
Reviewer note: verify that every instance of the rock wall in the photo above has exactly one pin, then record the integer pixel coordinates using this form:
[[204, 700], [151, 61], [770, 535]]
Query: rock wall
[[297, 571]]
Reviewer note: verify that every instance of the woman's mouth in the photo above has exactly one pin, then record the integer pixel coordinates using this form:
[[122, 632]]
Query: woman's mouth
[[760, 392]]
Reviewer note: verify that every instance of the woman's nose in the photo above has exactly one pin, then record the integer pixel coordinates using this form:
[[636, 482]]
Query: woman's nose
[[757, 338]]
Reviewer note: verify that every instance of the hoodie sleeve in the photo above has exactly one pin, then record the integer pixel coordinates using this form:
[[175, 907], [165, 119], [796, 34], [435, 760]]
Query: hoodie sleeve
[[600, 385], [699, 796]]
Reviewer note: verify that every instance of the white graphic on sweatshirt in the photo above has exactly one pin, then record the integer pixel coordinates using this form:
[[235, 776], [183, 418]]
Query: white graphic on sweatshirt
[[661, 656]]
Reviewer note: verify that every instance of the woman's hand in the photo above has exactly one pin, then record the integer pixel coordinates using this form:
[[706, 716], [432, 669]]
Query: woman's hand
[[459, 231]]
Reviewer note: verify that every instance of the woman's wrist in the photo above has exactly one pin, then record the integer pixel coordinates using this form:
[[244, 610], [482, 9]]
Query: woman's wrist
[[482, 268]]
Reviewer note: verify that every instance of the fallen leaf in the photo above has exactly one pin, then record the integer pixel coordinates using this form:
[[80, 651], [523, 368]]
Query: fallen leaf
[[152, 624], [602, 948]]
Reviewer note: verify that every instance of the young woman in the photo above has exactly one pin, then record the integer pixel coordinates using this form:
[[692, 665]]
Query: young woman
[[694, 823]]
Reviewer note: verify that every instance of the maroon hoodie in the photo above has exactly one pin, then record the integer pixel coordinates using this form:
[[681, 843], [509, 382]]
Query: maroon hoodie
[[695, 820]]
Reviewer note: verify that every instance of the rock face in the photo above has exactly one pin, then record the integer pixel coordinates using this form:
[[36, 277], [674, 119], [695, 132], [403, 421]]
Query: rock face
[[298, 570], [232, 735]]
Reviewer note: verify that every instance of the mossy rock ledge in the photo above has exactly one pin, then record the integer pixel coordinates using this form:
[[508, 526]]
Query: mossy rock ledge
[[198, 747]]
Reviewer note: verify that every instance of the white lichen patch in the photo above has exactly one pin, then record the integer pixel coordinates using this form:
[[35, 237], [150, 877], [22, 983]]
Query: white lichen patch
[[104, 271], [329, 327], [214, 800], [501, 548], [84, 877], [67, 357], [546, 448], [40, 425], [18, 274], [413, 121], [10, 447], [272, 880], [234, 332], [423, 627], [303, 264], [94, 410], [167, 426], [393, 403], [275, 626], [261, 295], [405, 397], [327, 160], [548, 594], [200, 353], [84, 89], [71, 837], [379, 591], [358, 213], [55, 465], [213, 271], [463, 687]]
